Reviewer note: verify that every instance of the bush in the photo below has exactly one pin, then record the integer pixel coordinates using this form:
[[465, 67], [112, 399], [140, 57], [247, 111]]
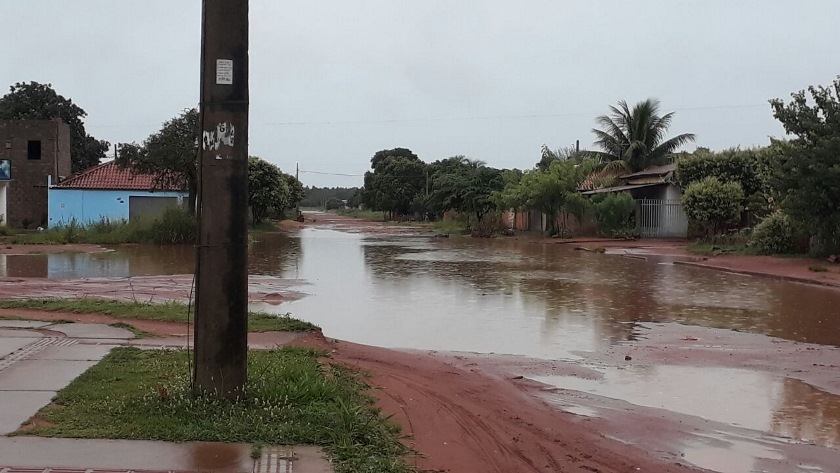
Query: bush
[[774, 235], [615, 214], [731, 165], [713, 203], [176, 225]]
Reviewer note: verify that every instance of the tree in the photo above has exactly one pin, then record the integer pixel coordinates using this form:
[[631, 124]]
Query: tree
[[463, 185], [807, 171], [171, 154], [548, 192], [548, 155], [34, 101], [713, 203], [296, 190], [637, 137], [267, 189], [396, 183]]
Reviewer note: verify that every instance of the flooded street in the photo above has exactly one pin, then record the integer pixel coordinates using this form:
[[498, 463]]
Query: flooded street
[[549, 302]]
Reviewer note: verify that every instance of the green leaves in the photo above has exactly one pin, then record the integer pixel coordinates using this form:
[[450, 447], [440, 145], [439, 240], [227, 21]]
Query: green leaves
[[34, 101], [637, 136], [713, 202], [267, 188], [807, 168]]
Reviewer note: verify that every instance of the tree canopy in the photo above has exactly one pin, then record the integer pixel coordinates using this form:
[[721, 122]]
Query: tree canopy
[[34, 101], [171, 154], [807, 172], [267, 189], [637, 136], [395, 184]]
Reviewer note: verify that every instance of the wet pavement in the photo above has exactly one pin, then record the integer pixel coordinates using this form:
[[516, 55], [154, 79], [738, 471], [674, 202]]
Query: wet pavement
[[37, 359], [92, 456], [767, 393]]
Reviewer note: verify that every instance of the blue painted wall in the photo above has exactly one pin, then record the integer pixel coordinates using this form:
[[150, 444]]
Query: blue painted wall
[[92, 205]]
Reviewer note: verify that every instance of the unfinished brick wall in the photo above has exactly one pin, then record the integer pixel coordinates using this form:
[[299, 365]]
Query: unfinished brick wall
[[27, 191]]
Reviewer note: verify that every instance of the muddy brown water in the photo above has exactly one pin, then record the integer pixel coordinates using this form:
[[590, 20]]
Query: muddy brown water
[[515, 297]]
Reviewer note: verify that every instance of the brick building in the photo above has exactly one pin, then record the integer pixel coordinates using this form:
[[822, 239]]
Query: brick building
[[30, 151]]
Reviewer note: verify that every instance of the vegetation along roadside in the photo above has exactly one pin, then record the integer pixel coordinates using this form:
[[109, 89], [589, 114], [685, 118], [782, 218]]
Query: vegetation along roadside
[[164, 312], [293, 396]]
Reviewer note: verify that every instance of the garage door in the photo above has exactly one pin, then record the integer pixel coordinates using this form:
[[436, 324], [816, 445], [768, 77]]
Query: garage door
[[148, 207]]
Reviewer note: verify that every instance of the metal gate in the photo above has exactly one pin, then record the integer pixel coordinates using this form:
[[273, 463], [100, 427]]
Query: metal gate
[[148, 207], [659, 218]]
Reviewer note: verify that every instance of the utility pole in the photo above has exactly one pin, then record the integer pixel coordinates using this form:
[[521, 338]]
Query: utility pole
[[221, 306]]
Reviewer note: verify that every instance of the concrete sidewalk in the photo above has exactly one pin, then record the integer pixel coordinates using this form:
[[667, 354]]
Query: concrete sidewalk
[[37, 359], [34, 453]]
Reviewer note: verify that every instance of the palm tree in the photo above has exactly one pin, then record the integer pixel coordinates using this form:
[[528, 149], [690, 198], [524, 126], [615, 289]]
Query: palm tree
[[635, 139]]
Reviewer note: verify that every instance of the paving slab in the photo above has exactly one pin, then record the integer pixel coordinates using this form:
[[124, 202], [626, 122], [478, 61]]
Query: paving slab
[[75, 352], [11, 345], [78, 330], [42, 375], [35, 452], [12, 333], [6, 323], [16, 407]]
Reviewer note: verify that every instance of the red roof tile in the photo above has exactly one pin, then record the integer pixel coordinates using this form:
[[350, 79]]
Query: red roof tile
[[109, 176]]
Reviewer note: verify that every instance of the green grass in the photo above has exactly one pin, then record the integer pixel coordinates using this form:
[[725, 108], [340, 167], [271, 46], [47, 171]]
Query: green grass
[[175, 226], [137, 332], [716, 249], [817, 268], [362, 214], [164, 312], [291, 398]]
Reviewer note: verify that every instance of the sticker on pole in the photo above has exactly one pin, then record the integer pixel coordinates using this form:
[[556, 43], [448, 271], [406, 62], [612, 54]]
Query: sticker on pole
[[224, 71]]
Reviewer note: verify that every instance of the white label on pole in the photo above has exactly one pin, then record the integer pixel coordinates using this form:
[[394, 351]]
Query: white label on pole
[[224, 71]]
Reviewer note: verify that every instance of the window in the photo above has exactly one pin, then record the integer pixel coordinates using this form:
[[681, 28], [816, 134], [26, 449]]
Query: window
[[33, 149]]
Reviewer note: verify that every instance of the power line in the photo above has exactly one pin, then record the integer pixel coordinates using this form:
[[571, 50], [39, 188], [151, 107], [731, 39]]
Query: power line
[[445, 119], [332, 173]]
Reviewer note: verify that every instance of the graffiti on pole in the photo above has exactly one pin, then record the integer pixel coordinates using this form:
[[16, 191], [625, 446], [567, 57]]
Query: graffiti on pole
[[222, 135]]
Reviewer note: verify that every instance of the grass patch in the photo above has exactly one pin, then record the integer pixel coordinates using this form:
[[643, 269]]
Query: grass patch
[[136, 331], [164, 312], [362, 214], [291, 398], [175, 226], [263, 227], [817, 268], [717, 249]]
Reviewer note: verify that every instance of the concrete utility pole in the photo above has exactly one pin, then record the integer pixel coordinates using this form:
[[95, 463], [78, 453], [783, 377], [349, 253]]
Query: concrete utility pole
[[221, 320]]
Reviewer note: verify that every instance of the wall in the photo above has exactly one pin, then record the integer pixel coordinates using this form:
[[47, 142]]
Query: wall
[[26, 193], [86, 205]]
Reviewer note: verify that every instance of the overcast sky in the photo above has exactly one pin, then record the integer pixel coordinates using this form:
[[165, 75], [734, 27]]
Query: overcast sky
[[332, 82]]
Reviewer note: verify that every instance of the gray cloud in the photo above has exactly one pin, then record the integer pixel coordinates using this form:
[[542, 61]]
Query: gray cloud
[[334, 81]]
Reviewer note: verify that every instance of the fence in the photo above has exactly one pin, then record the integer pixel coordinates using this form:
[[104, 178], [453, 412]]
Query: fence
[[659, 218]]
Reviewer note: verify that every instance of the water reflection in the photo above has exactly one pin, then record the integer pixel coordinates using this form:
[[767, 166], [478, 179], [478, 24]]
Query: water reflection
[[755, 400], [496, 295], [268, 254]]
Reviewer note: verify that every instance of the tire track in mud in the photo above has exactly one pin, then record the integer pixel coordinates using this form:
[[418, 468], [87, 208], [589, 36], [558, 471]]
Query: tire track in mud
[[466, 421]]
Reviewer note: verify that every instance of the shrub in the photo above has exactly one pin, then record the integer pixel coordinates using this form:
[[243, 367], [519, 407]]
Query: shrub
[[713, 203], [176, 225], [731, 165], [615, 214], [774, 235]]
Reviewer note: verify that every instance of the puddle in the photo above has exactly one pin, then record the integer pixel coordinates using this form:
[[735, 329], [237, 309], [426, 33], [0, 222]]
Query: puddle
[[729, 456], [759, 401]]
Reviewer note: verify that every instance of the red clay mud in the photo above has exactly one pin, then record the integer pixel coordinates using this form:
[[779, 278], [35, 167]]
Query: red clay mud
[[461, 420], [138, 288]]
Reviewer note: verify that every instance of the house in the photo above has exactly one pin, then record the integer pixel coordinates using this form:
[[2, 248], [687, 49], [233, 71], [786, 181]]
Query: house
[[659, 212], [30, 152], [110, 192]]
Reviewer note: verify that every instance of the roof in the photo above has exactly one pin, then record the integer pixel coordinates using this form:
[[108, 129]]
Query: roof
[[109, 176], [652, 171], [623, 188]]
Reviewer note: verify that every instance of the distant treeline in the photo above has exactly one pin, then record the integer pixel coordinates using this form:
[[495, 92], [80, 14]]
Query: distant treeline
[[318, 196]]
